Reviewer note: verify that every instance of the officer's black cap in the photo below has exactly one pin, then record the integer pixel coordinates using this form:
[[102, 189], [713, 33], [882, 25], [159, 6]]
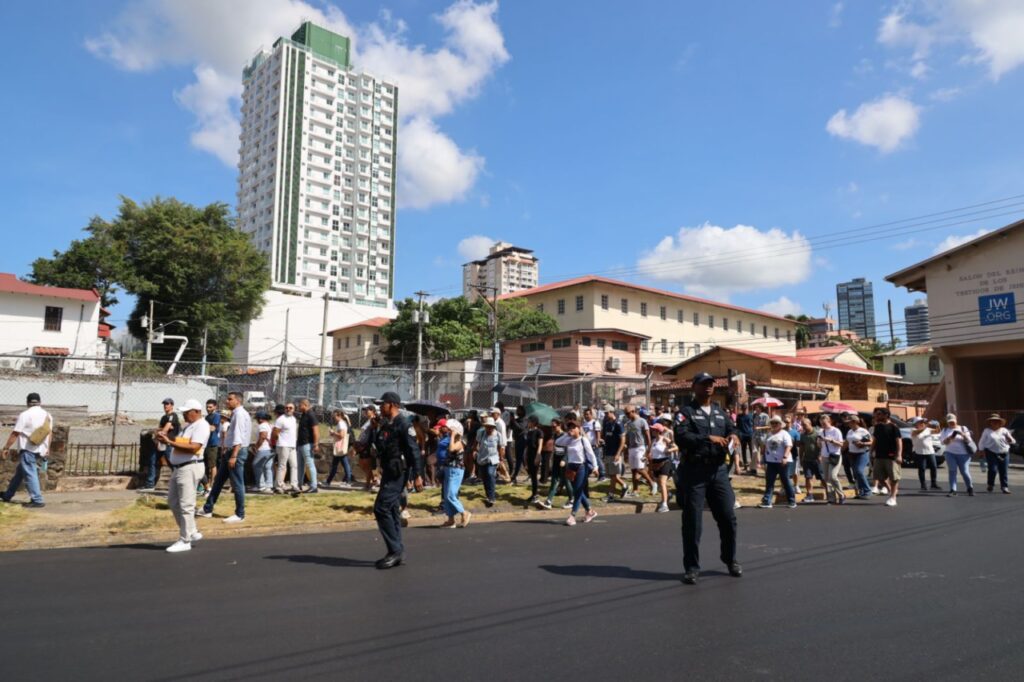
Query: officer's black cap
[[390, 397], [702, 377]]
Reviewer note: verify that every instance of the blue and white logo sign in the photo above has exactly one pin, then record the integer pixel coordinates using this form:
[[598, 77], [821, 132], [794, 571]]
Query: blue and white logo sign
[[997, 309]]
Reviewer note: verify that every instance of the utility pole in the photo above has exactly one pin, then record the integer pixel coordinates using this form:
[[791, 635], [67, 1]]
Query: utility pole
[[493, 303], [892, 336], [420, 318], [202, 370], [149, 332], [284, 359], [323, 355]]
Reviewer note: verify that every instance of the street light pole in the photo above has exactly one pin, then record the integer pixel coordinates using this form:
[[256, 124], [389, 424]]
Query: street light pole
[[493, 304], [323, 356], [420, 320]]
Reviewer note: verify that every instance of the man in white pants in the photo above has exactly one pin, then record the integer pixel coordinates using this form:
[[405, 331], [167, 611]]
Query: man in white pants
[[186, 460], [286, 430]]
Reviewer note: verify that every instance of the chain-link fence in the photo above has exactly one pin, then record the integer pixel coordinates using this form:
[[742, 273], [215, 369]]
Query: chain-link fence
[[85, 393]]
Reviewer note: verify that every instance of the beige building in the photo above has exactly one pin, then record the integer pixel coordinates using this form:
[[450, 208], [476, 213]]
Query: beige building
[[506, 268], [611, 352], [360, 344], [914, 364], [976, 310], [677, 326]]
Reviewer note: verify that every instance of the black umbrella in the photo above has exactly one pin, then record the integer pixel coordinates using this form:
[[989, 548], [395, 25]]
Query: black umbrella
[[515, 388], [428, 408]]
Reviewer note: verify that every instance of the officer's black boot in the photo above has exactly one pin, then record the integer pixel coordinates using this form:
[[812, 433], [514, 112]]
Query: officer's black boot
[[735, 570], [690, 576], [390, 561]]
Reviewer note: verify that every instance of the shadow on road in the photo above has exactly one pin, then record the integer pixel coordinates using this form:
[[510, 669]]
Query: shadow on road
[[140, 545], [580, 571], [335, 561]]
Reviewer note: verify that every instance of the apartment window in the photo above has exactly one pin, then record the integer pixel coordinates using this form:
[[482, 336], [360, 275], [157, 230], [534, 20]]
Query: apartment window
[[622, 345], [776, 333], [359, 339], [540, 307], [679, 316], [663, 311], [764, 331], [585, 341], [561, 343], [579, 303], [739, 326], [534, 346], [753, 328], [643, 310], [604, 302], [682, 348], [696, 349], [664, 346], [789, 335], [561, 306], [624, 306], [376, 339], [711, 321], [696, 319], [52, 319], [643, 345], [600, 343], [725, 323], [348, 339], [900, 368]]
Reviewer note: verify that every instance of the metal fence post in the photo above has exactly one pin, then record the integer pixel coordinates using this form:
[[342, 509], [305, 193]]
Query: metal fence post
[[117, 403]]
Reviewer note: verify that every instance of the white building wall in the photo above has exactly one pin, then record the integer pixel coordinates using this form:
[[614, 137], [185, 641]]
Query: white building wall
[[22, 317]]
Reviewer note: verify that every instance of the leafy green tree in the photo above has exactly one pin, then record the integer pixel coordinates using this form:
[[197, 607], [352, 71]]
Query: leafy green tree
[[803, 331], [517, 319], [190, 260]]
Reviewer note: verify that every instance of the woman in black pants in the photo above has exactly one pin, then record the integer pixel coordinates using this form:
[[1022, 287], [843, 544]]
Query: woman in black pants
[[533, 453], [924, 451]]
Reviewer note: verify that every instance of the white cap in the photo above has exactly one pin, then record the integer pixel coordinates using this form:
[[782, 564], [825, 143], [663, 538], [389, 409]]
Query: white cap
[[488, 421], [454, 425], [191, 404]]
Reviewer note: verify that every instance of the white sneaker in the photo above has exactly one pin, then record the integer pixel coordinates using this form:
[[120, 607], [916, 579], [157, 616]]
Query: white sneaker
[[567, 505], [736, 505], [571, 521], [891, 502], [654, 488], [204, 514], [405, 514], [885, 490], [875, 490], [234, 518], [662, 508], [179, 546], [196, 537]]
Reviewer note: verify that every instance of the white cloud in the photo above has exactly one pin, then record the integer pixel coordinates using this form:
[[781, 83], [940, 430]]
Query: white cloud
[[781, 306], [885, 123], [218, 38], [718, 261], [945, 94], [955, 240], [835, 17], [992, 29], [475, 247]]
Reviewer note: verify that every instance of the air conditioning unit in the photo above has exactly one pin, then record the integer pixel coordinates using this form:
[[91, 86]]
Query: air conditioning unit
[[883, 397], [6, 363], [614, 363]]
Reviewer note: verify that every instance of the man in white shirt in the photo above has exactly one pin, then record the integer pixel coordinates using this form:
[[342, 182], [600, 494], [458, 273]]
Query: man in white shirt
[[232, 462], [186, 460], [34, 420], [592, 430], [502, 430], [286, 429]]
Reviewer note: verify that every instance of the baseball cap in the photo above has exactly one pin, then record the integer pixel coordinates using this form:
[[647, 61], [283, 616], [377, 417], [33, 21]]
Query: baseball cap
[[390, 397], [191, 404], [168, 401], [488, 421], [701, 377], [32, 399], [441, 423], [454, 425], [950, 417]]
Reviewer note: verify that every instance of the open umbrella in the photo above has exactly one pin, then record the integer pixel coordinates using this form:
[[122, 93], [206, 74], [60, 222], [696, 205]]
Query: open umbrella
[[543, 412], [767, 401], [516, 389], [836, 407], [428, 408]]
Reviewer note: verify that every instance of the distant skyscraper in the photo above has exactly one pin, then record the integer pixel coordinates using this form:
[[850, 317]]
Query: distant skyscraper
[[916, 318], [316, 182], [857, 307], [506, 268]]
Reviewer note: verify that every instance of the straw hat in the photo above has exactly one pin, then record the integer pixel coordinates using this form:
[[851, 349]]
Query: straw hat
[[994, 417]]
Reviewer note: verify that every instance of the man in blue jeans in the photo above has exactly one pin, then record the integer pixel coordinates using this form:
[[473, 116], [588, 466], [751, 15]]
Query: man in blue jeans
[[33, 420], [488, 448], [232, 462], [307, 442], [169, 426]]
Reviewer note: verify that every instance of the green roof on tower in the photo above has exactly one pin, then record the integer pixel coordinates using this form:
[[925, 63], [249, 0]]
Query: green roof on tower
[[323, 42]]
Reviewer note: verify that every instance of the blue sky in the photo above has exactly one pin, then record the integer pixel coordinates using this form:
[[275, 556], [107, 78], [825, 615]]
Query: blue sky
[[590, 132]]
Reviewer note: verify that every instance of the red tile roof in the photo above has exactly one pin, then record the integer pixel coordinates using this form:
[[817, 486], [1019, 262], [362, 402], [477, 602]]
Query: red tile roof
[[49, 350], [790, 361], [375, 322], [823, 353], [9, 284], [586, 279]]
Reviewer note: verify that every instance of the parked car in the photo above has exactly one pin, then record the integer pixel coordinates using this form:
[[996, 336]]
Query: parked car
[[349, 407], [254, 401]]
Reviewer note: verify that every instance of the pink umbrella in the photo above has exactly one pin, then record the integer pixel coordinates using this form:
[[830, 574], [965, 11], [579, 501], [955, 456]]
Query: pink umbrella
[[767, 401], [835, 406]]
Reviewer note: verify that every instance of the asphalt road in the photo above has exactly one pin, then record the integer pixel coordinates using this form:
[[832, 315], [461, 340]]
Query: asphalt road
[[929, 590]]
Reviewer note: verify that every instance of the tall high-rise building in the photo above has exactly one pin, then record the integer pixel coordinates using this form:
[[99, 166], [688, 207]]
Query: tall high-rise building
[[506, 268], [857, 307], [916, 319], [316, 184]]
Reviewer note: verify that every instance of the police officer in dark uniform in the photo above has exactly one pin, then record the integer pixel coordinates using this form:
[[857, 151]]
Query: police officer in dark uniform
[[395, 441], [703, 438]]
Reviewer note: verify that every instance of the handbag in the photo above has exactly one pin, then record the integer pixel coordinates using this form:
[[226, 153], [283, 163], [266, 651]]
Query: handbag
[[571, 472], [40, 433]]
